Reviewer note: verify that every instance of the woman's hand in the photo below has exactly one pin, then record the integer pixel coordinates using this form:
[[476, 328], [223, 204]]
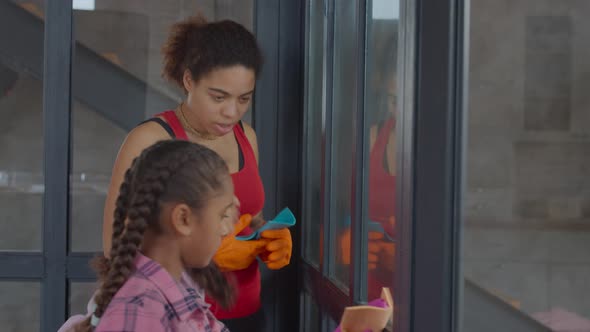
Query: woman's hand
[[234, 254], [277, 253]]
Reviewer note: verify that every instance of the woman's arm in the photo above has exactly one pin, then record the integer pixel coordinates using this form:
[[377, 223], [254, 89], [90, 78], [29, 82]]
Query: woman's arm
[[136, 141]]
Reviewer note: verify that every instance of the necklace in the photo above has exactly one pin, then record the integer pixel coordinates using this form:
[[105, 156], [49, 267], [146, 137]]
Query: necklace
[[192, 129]]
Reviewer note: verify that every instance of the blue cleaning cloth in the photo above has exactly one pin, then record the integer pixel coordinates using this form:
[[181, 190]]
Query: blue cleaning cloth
[[284, 219]]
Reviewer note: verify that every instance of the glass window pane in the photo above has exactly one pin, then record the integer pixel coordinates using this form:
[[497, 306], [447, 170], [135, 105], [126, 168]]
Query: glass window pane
[[19, 306], [123, 39], [343, 113], [80, 294], [380, 117], [331, 324], [312, 316], [96, 141], [526, 206], [21, 134], [313, 197]]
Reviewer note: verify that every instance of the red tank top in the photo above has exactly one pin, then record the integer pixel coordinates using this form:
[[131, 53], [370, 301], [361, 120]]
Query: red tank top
[[250, 191], [381, 183]]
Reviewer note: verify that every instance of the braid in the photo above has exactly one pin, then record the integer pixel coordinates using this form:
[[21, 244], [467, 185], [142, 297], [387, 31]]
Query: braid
[[168, 171], [122, 203], [144, 208], [122, 265], [101, 263]]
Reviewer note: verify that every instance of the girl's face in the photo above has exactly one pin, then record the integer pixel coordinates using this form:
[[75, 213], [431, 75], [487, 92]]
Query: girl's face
[[209, 226], [217, 101]]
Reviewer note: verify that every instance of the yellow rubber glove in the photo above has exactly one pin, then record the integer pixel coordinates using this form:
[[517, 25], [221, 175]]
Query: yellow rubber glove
[[344, 245], [381, 251], [377, 245], [234, 254], [277, 253]]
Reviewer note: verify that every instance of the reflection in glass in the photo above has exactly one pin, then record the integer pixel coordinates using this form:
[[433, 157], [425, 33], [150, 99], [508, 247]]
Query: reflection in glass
[[80, 293], [313, 197], [21, 131], [343, 113], [19, 306], [312, 317], [380, 116], [332, 324]]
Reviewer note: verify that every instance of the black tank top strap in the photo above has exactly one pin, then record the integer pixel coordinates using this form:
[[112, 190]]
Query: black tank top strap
[[162, 123], [169, 130]]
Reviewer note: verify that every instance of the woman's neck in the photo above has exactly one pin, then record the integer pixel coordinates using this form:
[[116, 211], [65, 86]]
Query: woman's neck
[[183, 113]]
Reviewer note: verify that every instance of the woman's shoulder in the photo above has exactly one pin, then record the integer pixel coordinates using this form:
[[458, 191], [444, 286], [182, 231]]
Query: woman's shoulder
[[145, 134], [152, 128]]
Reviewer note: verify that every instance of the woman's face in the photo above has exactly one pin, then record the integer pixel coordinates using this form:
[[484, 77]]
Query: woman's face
[[218, 100], [391, 95]]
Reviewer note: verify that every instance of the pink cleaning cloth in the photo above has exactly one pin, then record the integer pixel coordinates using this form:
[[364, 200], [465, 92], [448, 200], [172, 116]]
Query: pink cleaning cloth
[[375, 314]]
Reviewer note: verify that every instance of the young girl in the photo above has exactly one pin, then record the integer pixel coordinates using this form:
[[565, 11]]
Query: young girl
[[175, 204]]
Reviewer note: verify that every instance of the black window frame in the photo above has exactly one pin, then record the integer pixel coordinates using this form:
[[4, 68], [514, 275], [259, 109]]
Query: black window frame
[[431, 60]]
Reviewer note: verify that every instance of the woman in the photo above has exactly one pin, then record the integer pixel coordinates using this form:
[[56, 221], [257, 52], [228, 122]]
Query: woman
[[216, 65]]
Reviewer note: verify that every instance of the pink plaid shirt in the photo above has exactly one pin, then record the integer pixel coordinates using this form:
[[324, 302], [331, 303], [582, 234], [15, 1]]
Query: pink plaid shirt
[[151, 300]]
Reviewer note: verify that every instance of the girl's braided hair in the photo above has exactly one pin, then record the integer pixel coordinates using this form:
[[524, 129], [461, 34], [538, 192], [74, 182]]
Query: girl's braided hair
[[168, 171]]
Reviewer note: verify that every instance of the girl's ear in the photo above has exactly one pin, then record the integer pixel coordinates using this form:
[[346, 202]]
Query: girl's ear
[[187, 80], [181, 216]]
